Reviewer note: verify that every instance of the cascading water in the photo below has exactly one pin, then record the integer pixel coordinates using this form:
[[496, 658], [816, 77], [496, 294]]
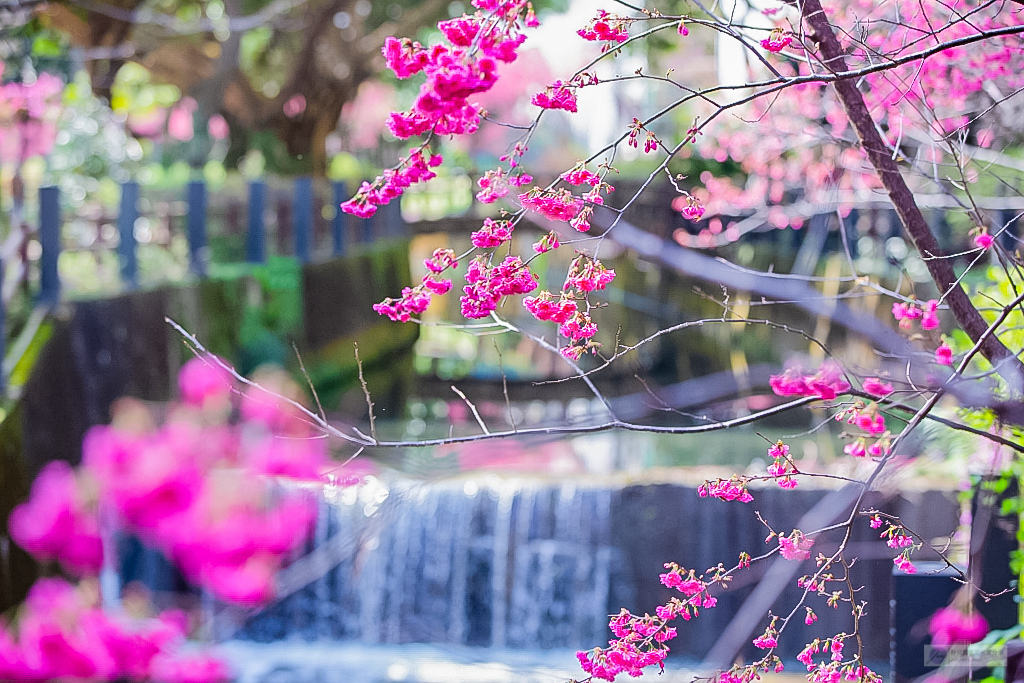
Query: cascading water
[[496, 569], [517, 565]]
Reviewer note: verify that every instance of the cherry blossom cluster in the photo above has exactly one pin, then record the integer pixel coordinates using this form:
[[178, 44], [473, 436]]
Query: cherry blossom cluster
[[876, 387], [207, 488], [748, 673], [944, 354], [950, 626], [392, 183], [795, 148], [495, 183], [827, 383], [486, 285], [59, 522], [777, 41], [194, 488], [896, 536], [734, 488], [28, 114], [492, 234], [864, 446], [796, 546], [547, 306], [818, 583], [63, 634], [639, 642], [782, 467], [651, 142], [835, 669], [907, 312], [689, 206], [585, 275], [983, 239], [464, 65], [696, 590], [866, 417], [415, 300], [610, 28], [547, 243], [581, 176], [558, 205], [769, 639], [903, 563], [558, 95]]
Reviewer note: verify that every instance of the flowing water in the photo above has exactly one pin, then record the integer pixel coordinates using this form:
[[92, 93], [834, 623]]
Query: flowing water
[[494, 578]]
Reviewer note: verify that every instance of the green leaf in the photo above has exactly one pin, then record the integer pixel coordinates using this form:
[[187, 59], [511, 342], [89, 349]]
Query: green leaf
[[46, 46]]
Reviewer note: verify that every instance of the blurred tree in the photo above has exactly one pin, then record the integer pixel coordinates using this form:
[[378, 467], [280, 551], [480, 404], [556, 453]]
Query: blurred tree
[[281, 66]]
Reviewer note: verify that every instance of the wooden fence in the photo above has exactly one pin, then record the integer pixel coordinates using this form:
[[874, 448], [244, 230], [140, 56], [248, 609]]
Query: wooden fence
[[293, 213]]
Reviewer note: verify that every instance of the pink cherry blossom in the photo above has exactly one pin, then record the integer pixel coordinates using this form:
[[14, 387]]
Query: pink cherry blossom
[[493, 186], [876, 387], [560, 205], [581, 176], [796, 546], [492, 234], [777, 41], [929, 316], [904, 564], [587, 275], [606, 27], [545, 306], [950, 626], [55, 523], [547, 243], [826, 383], [203, 379], [558, 95], [725, 489]]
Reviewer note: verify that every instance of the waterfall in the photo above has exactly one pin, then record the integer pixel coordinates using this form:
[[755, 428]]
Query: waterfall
[[533, 564], [516, 563]]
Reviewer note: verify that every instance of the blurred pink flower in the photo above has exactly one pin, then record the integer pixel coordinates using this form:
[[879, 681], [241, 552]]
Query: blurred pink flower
[[949, 625], [295, 105], [54, 525], [202, 379], [179, 121], [218, 127]]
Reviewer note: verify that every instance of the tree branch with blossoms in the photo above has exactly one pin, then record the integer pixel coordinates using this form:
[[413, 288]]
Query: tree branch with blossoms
[[878, 98], [210, 487]]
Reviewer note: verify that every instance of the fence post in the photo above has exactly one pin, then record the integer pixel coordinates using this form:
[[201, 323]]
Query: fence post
[[256, 238], [126, 254], [302, 212], [197, 252], [339, 225], [284, 224], [49, 240]]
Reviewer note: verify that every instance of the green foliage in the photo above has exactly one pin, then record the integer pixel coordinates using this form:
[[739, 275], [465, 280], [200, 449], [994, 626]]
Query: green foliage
[[134, 91]]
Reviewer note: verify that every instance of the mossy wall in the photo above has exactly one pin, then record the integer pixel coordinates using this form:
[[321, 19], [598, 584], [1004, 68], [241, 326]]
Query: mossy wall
[[100, 350]]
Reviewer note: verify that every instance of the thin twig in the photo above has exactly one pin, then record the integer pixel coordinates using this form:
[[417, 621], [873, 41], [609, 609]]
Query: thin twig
[[309, 382], [472, 407], [366, 393], [504, 387]]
